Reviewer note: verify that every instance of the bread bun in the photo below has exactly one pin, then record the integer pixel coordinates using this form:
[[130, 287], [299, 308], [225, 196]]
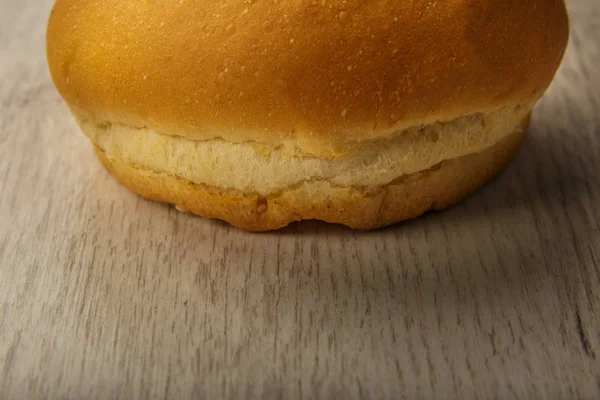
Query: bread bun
[[261, 113]]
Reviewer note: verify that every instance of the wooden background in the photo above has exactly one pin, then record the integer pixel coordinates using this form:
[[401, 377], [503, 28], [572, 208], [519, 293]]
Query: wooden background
[[105, 295]]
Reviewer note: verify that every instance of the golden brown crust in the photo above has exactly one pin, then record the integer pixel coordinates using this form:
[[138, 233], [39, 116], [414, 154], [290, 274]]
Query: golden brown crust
[[406, 198], [318, 72]]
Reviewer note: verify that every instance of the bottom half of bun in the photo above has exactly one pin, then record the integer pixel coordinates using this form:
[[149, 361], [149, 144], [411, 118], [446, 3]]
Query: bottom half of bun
[[358, 207]]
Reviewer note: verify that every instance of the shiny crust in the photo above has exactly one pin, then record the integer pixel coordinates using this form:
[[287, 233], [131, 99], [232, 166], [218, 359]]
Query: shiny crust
[[320, 74], [408, 197]]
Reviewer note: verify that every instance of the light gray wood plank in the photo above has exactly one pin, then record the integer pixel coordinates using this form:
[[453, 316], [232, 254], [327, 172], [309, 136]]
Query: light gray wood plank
[[105, 295]]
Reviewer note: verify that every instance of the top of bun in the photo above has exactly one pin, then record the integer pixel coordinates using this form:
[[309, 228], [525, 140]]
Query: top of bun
[[318, 72]]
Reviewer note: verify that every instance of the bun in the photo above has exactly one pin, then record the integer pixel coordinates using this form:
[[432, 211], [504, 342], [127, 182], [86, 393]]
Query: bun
[[261, 113]]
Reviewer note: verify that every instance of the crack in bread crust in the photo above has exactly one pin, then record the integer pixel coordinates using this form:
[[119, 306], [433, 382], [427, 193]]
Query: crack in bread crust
[[254, 168], [407, 198]]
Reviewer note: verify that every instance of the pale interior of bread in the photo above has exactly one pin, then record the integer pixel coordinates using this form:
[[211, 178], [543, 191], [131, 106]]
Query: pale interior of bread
[[257, 168]]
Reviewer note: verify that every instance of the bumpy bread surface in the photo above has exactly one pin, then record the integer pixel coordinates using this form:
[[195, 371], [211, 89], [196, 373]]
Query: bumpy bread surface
[[407, 197], [319, 74]]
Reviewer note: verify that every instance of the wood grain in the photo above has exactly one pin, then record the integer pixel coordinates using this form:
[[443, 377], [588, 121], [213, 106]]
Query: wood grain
[[104, 295]]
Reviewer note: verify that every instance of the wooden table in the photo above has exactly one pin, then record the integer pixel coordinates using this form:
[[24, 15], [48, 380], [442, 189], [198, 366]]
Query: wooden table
[[105, 295]]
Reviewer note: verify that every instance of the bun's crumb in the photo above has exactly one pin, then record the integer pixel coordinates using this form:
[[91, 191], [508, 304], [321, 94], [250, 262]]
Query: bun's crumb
[[407, 197]]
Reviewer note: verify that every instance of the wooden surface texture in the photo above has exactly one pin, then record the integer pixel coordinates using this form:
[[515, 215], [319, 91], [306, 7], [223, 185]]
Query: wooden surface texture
[[104, 295]]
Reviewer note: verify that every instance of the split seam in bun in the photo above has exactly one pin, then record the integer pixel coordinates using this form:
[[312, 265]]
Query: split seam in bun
[[256, 168]]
